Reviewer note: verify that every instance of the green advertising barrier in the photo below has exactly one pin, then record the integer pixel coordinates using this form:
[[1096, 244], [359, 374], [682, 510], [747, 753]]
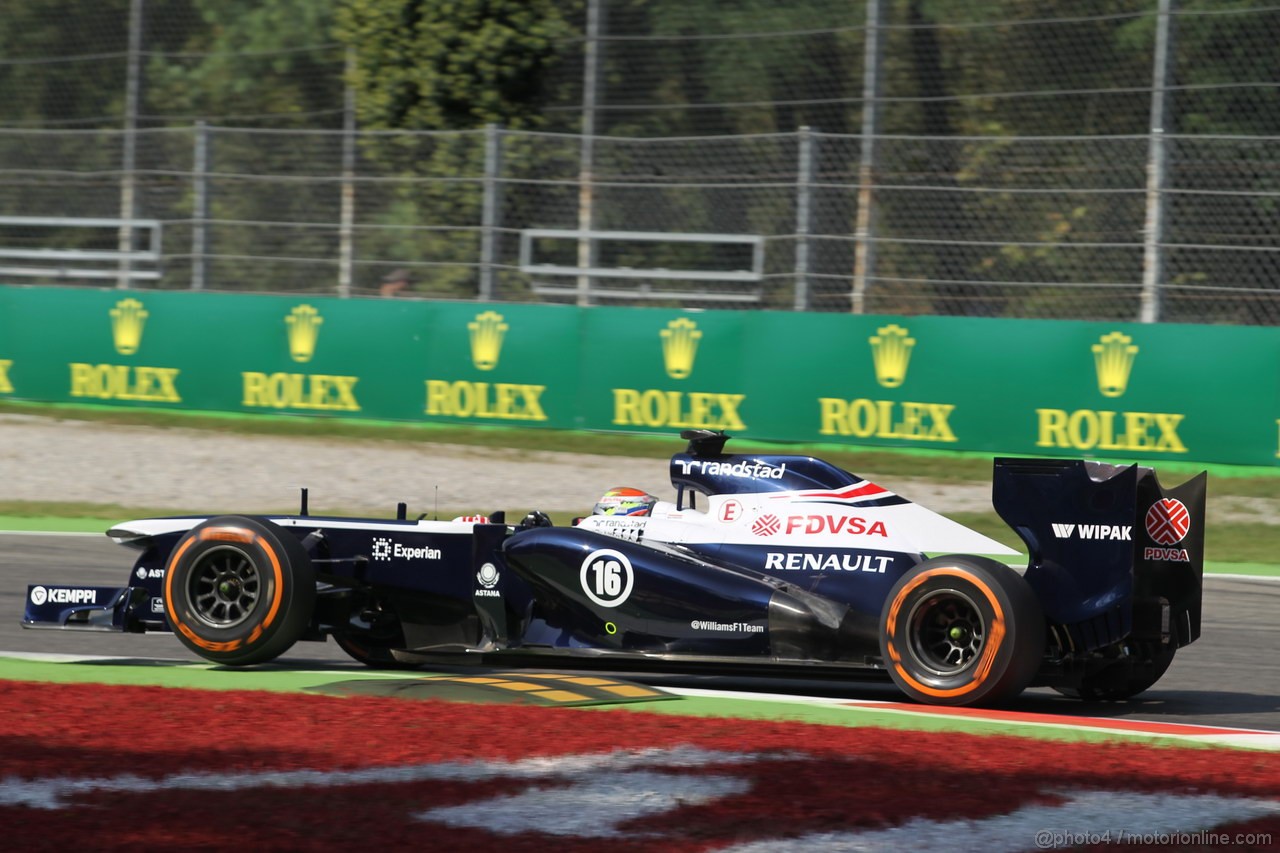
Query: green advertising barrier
[[394, 360], [1042, 387]]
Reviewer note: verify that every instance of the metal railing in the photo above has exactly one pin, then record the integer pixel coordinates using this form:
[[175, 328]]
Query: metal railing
[[45, 260]]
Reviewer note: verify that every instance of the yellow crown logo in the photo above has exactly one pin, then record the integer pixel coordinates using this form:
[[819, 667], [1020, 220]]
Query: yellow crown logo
[[891, 352], [487, 331], [1113, 358], [127, 320], [679, 347], [304, 324]]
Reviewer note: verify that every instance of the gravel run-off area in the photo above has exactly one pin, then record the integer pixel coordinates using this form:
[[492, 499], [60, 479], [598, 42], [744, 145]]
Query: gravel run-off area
[[48, 459]]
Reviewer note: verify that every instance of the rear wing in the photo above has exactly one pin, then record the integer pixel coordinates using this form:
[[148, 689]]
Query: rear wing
[[1112, 554]]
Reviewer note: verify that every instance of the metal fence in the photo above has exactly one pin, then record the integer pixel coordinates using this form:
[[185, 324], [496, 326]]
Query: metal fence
[[1027, 159], [1040, 227]]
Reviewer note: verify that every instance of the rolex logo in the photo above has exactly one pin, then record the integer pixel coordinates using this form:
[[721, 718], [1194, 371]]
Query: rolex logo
[[680, 346], [487, 331], [127, 320], [1113, 358], [891, 352], [304, 324]]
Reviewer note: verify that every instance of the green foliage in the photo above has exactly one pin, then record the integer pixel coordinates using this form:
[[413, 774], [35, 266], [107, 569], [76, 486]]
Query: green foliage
[[41, 92], [451, 64], [445, 65]]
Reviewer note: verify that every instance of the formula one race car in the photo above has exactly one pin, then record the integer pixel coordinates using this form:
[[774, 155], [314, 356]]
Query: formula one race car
[[764, 564]]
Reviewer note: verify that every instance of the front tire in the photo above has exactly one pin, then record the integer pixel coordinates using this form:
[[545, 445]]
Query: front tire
[[962, 630], [239, 590]]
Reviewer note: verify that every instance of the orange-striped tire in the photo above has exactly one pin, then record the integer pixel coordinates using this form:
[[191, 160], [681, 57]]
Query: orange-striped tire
[[239, 590], [962, 630]]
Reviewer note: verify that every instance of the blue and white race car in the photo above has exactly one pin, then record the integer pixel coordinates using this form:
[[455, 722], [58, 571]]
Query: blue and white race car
[[767, 564]]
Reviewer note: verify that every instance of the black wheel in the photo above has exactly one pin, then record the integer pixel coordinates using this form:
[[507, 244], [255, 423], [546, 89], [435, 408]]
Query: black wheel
[[962, 630], [238, 590], [370, 635], [1123, 680]]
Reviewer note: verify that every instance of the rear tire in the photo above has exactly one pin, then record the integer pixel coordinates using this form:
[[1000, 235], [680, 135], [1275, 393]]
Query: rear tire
[[239, 590], [962, 630]]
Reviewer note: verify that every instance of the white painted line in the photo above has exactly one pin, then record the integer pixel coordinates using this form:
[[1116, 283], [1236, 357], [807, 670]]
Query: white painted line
[[1219, 735], [1235, 577], [51, 533]]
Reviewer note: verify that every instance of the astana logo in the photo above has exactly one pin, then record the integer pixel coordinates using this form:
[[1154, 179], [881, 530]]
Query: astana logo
[[891, 352], [487, 331], [1113, 358], [127, 320], [680, 346], [304, 324]]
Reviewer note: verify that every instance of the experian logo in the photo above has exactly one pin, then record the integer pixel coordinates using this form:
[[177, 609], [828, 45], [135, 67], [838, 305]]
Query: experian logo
[[425, 553]]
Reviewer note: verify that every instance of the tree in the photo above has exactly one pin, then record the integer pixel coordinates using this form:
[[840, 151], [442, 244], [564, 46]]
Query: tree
[[452, 64], [246, 62]]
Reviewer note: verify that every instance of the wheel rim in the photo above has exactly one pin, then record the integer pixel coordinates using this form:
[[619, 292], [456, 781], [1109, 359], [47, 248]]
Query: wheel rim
[[947, 632], [225, 586]]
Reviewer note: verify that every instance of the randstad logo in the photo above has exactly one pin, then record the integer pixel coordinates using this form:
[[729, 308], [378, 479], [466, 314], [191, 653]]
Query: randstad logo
[[1087, 429], [127, 320], [304, 324], [680, 347], [891, 353], [1113, 359], [487, 331], [121, 381]]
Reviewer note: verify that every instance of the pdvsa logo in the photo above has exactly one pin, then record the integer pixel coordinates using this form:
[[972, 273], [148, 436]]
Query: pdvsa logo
[[1114, 356], [307, 391], [766, 525], [502, 401], [671, 409], [891, 348], [1168, 522], [122, 381]]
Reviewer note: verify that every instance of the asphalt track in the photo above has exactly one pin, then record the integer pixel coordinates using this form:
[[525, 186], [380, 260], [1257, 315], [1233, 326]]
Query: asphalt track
[[1229, 678]]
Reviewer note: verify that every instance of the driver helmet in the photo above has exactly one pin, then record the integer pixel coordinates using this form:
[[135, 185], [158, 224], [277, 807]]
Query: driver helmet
[[624, 500]]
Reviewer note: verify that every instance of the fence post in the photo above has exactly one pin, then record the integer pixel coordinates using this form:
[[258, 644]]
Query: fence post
[[346, 227], [1157, 167], [490, 216], [804, 213], [864, 255], [199, 205], [586, 191], [127, 165]]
